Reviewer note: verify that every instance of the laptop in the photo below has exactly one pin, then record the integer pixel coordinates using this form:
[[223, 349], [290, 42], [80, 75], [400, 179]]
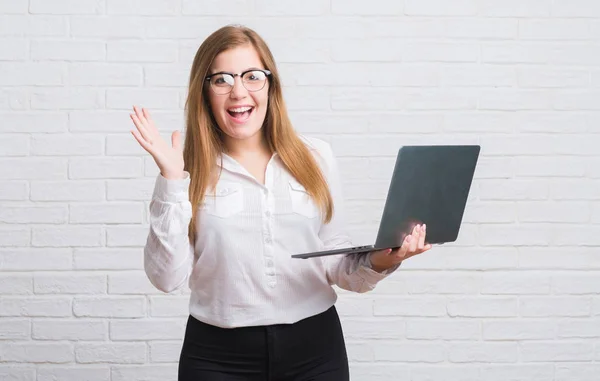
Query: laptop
[[430, 185]]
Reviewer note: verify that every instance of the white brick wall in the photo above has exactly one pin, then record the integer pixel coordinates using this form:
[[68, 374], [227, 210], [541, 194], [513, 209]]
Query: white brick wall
[[516, 298]]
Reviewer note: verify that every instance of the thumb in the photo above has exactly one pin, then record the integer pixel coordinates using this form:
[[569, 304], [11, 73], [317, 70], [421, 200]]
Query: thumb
[[176, 140]]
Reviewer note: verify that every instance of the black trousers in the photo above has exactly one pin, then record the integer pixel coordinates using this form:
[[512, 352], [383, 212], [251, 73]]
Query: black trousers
[[312, 349]]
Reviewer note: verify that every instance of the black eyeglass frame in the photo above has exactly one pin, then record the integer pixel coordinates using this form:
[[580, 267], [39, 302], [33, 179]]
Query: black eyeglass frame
[[265, 71]]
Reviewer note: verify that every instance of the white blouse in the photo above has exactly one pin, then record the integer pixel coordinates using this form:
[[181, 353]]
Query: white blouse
[[240, 270]]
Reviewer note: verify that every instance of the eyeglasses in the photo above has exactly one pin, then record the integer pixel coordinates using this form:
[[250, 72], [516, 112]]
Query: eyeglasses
[[253, 80]]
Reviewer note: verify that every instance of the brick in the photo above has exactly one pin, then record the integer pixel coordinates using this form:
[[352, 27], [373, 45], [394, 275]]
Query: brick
[[412, 351], [126, 51], [301, 51], [126, 236], [16, 284], [518, 372], [430, 372], [14, 7], [14, 190], [106, 213], [524, 190], [33, 169], [67, 99], [91, 373], [35, 306], [130, 282], [66, 145], [109, 307], [137, 190], [30, 259], [69, 330], [381, 50], [66, 236], [513, 329], [564, 211], [146, 372], [169, 306], [490, 212], [156, 329], [143, 7], [577, 284], [106, 27], [96, 168], [554, 306], [69, 283], [165, 351], [26, 215], [515, 8], [112, 353], [268, 8], [580, 258], [576, 371], [72, 190], [476, 75], [440, 8], [557, 352], [32, 74], [39, 26], [153, 99], [57, 353], [482, 307], [33, 122], [575, 8], [14, 329], [483, 353], [14, 145], [68, 50], [357, 7], [578, 329], [548, 29], [105, 74], [481, 28], [437, 329], [15, 236], [14, 49], [367, 329], [108, 259], [513, 283], [550, 167], [410, 306], [166, 75]]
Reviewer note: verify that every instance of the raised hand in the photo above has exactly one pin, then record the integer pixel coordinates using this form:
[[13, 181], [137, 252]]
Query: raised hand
[[413, 244], [169, 158]]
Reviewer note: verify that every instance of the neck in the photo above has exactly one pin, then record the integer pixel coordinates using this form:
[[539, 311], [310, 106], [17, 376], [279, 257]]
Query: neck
[[255, 145]]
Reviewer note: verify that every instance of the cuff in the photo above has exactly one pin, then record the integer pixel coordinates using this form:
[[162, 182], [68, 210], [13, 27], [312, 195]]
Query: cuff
[[172, 190], [366, 271]]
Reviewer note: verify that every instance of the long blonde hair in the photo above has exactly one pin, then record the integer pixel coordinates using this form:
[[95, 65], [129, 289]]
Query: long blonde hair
[[203, 141]]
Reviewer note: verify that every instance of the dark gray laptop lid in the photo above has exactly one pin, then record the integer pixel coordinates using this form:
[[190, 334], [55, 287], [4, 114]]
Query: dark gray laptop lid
[[429, 184]]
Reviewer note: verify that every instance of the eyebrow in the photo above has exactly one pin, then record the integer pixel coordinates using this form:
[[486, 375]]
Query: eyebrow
[[243, 71]]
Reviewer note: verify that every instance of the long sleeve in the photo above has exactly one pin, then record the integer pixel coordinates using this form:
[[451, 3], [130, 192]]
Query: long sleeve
[[350, 272], [168, 254]]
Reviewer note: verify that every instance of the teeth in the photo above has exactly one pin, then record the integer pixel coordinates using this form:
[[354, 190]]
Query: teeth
[[240, 109]]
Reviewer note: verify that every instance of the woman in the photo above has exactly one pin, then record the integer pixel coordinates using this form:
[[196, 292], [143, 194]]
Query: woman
[[229, 209]]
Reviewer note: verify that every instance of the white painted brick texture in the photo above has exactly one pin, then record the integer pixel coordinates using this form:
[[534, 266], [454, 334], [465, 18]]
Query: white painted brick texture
[[517, 297]]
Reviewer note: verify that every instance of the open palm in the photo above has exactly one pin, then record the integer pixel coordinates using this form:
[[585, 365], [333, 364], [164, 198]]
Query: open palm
[[169, 158]]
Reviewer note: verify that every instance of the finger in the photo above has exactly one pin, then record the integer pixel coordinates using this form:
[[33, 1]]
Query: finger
[[140, 114], [401, 253], [136, 134], [176, 140], [140, 127], [415, 239], [146, 114], [421, 244]]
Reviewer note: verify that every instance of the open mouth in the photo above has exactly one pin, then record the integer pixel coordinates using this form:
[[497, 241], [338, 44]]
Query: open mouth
[[240, 113]]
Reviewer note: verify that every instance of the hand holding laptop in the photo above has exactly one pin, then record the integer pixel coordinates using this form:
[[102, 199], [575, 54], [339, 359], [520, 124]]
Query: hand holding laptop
[[412, 245]]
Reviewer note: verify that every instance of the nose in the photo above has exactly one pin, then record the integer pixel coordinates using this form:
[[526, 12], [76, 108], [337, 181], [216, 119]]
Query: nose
[[238, 90]]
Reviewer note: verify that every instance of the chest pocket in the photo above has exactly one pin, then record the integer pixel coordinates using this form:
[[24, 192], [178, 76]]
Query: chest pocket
[[302, 203], [227, 200]]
